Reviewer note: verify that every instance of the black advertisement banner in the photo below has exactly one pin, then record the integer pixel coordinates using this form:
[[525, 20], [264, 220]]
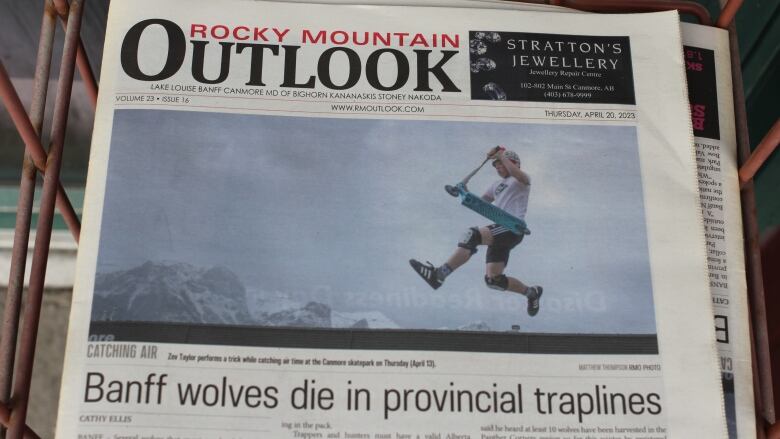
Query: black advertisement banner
[[518, 66]]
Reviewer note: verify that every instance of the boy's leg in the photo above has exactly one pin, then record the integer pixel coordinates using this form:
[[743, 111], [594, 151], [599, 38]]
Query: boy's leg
[[496, 259], [495, 278], [495, 269], [463, 253], [467, 246]]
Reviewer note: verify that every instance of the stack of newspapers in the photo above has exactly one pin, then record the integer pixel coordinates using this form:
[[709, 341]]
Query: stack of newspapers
[[268, 182]]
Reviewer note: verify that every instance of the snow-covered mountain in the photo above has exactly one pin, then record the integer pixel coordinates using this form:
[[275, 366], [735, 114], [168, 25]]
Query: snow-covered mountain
[[312, 315], [318, 315], [268, 302], [171, 292], [270, 307], [364, 319], [177, 292], [475, 326]]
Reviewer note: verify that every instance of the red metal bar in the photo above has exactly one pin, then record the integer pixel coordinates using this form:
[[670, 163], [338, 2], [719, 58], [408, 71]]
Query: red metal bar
[[68, 213], [774, 432], [755, 284], [685, 7], [13, 297], [32, 311], [728, 13], [19, 117], [34, 148], [87, 75], [5, 416], [85, 69], [760, 154], [24, 206]]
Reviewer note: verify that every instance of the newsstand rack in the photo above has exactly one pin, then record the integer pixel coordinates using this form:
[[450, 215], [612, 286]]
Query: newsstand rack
[[16, 370]]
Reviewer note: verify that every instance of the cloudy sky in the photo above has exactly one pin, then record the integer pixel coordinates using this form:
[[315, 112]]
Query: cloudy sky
[[332, 210]]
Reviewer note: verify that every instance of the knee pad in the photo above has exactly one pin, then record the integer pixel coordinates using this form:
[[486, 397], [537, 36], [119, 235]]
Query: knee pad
[[470, 240], [499, 282]]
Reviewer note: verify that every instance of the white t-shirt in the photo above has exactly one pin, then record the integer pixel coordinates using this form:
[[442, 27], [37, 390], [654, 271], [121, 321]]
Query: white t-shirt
[[511, 196]]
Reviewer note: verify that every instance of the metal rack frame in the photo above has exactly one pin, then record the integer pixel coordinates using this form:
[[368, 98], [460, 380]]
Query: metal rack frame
[[16, 371]]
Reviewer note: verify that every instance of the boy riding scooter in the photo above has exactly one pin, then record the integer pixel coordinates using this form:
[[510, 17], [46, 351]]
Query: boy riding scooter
[[509, 194]]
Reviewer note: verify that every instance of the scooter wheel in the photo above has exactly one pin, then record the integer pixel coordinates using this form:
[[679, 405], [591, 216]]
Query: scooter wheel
[[452, 190]]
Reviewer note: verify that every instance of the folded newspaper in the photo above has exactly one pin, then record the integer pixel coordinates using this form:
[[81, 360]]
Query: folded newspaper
[[267, 184]]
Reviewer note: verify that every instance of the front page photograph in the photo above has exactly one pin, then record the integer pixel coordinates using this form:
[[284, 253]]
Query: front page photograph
[[322, 238]]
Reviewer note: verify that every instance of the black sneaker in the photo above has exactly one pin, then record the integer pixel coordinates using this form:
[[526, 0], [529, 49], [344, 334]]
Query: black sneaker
[[427, 272], [533, 295]]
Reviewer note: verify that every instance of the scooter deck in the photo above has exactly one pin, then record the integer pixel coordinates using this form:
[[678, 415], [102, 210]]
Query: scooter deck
[[491, 212]]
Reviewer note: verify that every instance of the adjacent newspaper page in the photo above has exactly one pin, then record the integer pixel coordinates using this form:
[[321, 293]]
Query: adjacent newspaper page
[[708, 67], [267, 183]]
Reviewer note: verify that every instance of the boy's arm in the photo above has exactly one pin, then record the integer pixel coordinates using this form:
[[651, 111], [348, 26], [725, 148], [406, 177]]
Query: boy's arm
[[488, 195], [513, 169]]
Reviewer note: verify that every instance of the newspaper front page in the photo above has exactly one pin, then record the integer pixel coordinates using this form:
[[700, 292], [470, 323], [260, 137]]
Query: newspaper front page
[[267, 184]]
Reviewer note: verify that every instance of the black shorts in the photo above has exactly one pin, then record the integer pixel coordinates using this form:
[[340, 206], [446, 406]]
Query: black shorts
[[503, 241]]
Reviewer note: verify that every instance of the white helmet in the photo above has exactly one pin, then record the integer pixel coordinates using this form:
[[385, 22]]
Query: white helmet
[[512, 156]]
